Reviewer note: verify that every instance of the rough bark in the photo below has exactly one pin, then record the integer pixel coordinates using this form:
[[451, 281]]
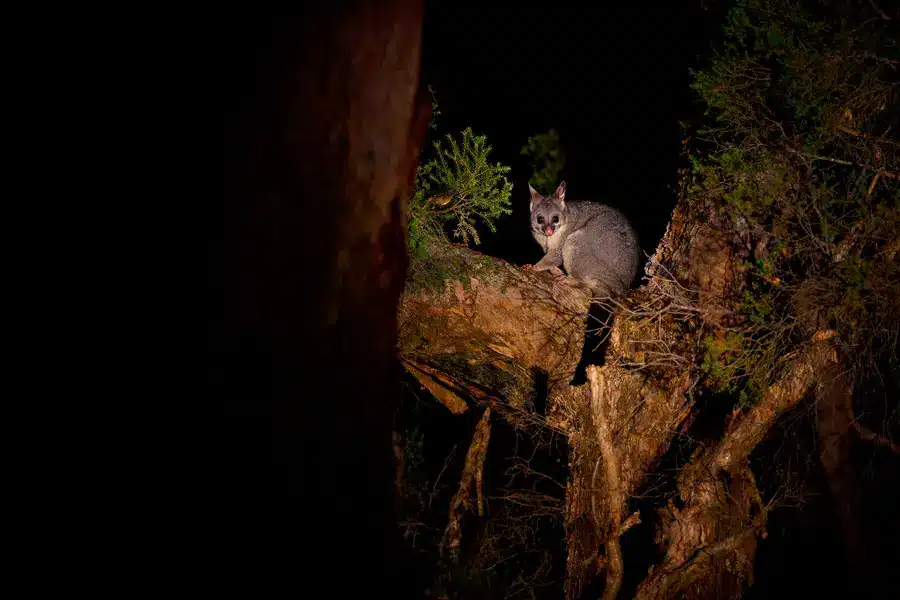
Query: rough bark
[[472, 477], [479, 328], [599, 386], [645, 391], [640, 419], [482, 325], [321, 140], [711, 540], [710, 537]]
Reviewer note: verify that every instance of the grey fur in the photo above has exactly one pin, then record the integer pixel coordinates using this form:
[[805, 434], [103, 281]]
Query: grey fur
[[594, 242]]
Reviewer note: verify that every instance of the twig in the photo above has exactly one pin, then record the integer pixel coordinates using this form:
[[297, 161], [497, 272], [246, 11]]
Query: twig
[[862, 134], [727, 544], [847, 163], [441, 474], [880, 12], [631, 521], [872, 186]]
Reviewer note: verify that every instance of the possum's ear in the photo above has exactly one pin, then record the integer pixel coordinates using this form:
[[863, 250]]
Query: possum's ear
[[535, 196], [561, 193]]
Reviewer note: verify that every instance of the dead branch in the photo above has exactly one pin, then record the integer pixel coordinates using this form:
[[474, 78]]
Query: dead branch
[[862, 134], [872, 186], [434, 487], [471, 477], [847, 163], [602, 403], [632, 520], [438, 384]]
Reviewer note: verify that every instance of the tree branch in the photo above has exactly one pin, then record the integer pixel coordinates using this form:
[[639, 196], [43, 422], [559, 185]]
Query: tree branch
[[781, 396], [471, 476], [439, 384], [847, 163], [872, 186], [601, 403]]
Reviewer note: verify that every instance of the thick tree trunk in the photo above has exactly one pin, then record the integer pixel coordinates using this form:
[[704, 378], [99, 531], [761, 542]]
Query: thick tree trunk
[[834, 411], [642, 394], [322, 136]]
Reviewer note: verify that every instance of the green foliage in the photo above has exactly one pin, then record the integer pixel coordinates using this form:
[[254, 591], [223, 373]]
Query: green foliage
[[435, 111], [418, 240], [800, 151], [459, 187], [547, 159], [719, 364]]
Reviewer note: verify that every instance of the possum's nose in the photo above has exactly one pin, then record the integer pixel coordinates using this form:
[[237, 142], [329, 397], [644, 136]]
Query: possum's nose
[[548, 230]]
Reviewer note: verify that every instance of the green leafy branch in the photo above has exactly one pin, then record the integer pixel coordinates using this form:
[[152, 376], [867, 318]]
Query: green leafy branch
[[458, 188]]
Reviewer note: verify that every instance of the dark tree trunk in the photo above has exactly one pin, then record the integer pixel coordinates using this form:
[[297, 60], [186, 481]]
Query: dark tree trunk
[[322, 133], [834, 411]]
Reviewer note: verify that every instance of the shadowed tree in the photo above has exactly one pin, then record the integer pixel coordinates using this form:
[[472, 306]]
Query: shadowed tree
[[323, 120]]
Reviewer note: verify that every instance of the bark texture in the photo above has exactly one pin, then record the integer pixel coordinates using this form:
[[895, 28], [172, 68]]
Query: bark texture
[[710, 541], [480, 327], [475, 327], [472, 478]]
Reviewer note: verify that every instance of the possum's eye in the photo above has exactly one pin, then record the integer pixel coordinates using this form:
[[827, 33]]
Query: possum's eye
[[556, 218], [540, 220]]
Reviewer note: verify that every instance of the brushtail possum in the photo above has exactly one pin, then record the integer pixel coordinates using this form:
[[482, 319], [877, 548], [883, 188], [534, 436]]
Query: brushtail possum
[[593, 242]]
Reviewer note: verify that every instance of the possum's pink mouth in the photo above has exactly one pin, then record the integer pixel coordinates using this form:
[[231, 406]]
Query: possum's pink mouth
[[548, 230]]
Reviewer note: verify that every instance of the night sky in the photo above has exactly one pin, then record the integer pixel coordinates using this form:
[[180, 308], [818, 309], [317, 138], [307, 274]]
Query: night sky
[[611, 78]]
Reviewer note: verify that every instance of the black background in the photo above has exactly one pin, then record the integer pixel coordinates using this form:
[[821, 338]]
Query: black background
[[611, 78]]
